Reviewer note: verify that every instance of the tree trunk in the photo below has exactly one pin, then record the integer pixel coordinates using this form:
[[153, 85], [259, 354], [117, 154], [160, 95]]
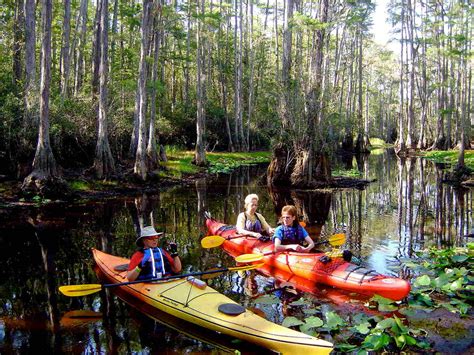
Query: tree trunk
[[423, 94], [411, 83], [312, 164], [44, 164], [78, 78], [31, 95], [141, 167], [362, 139], [65, 48], [200, 151], [223, 82], [251, 78], [18, 28], [187, 103], [400, 144], [114, 31], [285, 106], [348, 139], [104, 165], [440, 141], [238, 129], [152, 150], [96, 46]]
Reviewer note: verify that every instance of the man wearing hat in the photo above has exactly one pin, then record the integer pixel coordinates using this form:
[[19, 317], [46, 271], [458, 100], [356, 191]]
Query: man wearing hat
[[150, 261]]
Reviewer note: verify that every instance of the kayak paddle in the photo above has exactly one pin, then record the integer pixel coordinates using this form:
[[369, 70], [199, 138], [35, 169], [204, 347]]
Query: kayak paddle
[[335, 240], [213, 241], [87, 289]]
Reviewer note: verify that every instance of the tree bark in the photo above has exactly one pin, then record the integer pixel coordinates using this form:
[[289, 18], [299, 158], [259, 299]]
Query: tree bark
[[200, 151], [238, 129], [141, 167], [31, 95], [65, 49], [104, 164], [410, 143], [312, 164], [152, 150], [400, 144], [79, 72], [223, 82], [96, 46], [18, 33], [44, 164]]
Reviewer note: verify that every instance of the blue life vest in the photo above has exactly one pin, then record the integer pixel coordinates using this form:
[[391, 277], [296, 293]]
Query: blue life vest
[[253, 226], [292, 235], [157, 266]]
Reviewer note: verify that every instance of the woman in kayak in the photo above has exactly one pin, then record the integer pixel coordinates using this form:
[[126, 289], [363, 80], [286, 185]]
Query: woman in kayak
[[150, 261], [250, 222], [289, 235]]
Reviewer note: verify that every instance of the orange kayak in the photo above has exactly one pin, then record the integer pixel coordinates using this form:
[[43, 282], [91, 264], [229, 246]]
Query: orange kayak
[[208, 308], [337, 272]]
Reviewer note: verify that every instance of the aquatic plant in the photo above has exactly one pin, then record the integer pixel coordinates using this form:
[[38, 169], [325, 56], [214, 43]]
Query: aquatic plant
[[445, 279]]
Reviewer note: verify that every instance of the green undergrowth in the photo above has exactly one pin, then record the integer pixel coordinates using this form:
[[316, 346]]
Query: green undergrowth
[[180, 162], [450, 157], [442, 279], [377, 143], [353, 173], [97, 185]]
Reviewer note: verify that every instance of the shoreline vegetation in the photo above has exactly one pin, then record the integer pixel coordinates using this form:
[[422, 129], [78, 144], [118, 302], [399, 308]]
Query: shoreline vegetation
[[179, 169]]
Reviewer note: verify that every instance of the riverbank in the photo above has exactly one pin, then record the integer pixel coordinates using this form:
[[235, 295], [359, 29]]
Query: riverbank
[[179, 170]]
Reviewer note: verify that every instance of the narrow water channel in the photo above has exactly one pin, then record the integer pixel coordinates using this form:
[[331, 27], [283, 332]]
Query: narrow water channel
[[406, 208]]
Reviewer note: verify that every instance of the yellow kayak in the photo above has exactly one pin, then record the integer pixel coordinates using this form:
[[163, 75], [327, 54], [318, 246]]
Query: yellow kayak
[[205, 307]]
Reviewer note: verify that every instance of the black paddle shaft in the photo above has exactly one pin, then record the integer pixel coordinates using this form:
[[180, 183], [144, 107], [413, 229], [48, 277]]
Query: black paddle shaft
[[166, 278]]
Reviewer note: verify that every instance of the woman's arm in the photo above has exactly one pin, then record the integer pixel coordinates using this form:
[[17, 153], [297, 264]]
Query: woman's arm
[[266, 227]]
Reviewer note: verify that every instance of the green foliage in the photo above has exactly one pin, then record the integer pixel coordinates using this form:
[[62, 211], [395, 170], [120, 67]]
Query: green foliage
[[447, 272], [379, 143], [225, 162], [180, 161], [450, 157], [354, 173]]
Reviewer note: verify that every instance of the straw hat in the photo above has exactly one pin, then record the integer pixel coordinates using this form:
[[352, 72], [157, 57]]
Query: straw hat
[[147, 231]]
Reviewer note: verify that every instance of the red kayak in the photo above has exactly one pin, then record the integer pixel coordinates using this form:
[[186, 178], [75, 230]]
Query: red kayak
[[337, 272]]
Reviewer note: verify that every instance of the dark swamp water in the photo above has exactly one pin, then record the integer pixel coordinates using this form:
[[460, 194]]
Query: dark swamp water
[[406, 209]]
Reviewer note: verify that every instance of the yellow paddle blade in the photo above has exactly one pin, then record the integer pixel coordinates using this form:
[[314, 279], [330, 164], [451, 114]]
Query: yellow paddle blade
[[79, 290], [249, 258], [212, 241], [337, 239]]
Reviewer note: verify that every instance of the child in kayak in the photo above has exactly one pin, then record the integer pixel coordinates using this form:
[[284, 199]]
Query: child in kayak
[[150, 261], [290, 234], [250, 222]]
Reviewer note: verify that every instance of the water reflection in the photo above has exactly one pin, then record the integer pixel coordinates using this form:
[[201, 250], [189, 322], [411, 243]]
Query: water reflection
[[406, 209]]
